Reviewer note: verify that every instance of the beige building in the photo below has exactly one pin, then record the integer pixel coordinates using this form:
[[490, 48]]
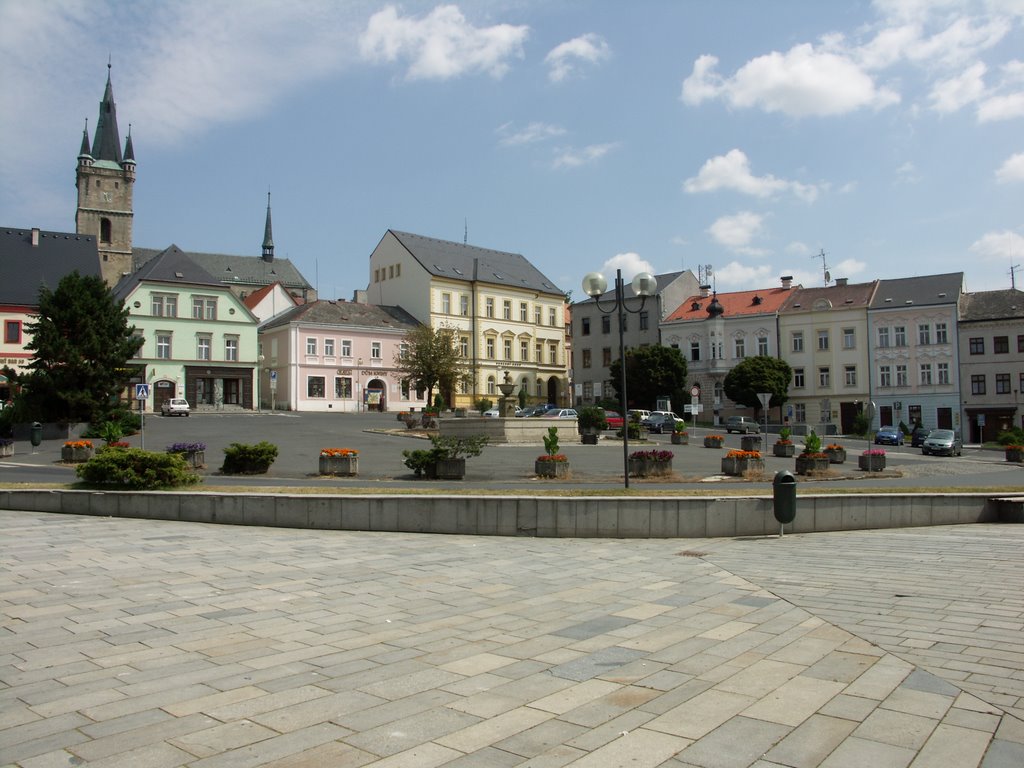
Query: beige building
[[824, 338], [509, 317]]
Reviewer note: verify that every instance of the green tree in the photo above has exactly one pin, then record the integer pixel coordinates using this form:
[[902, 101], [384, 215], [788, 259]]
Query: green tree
[[82, 343], [651, 372], [759, 374], [430, 358]]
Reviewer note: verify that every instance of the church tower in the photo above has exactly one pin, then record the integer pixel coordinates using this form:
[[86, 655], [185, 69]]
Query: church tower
[[105, 180]]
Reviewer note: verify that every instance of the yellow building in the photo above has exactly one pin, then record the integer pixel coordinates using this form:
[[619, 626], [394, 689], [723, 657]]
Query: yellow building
[[509, 317]]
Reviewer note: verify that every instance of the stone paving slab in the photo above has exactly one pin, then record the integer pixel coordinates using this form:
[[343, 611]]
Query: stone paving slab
[[143, 643]]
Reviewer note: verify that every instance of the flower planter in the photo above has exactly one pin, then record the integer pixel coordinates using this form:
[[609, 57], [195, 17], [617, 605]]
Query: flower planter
[[194, 459], [448, 469], [347, 466], [871, 463], [555, 469], [807, 464], [750, 443], [713, 442], [587, 439], [649, 468], [1015, 456], [678, 439], [736, 467], [73, 454], [836, 456], [785, 450]]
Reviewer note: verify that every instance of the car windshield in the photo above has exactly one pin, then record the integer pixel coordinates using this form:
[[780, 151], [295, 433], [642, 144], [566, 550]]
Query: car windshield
[[941, 434]]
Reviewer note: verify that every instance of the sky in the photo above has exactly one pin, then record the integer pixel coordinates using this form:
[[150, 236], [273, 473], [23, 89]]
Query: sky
[[873, 140]]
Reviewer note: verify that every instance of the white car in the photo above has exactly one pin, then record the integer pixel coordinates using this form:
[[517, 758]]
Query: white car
[[176, 406], [494, 413], [561, 413]]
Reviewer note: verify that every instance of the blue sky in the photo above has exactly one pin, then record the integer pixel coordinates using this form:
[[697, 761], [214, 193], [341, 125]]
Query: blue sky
[[653, 134]]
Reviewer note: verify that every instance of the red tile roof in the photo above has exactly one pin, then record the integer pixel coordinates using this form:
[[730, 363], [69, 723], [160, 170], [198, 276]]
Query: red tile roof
[[734, 304]]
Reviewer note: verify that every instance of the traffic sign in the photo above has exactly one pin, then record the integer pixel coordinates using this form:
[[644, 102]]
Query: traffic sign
[[694, 391], [142, 391]]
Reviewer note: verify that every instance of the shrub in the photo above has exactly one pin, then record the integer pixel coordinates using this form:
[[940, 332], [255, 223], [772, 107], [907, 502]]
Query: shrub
[[439, 403], [551, 441], [452, 447], [592, 417], [242, 459], [812, 444], [483, 404], [1014, 436], [418, 461], [129, 421], [860, 425], [136, 469], [635, 430], [784, 434]]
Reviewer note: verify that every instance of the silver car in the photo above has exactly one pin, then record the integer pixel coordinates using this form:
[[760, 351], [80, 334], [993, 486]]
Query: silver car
[[942, 442]]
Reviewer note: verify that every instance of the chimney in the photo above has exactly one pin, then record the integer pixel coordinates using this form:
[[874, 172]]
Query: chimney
[[705, 291], [35, 237], [787, 282], [359, 297], [841, 281]]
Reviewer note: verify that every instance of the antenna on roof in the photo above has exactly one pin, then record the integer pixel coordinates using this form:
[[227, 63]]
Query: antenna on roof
[[465, 231], [1013, 276], [824, 266]]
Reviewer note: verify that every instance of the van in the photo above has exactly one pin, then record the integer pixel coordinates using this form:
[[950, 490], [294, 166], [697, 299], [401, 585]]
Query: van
[[743, 424], [635, 415]]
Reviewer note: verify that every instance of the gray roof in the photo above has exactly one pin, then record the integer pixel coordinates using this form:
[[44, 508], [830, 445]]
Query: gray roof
[[664, 281], [992, 305], [27, 267], [237, 270], [346, 313], [171, 265], [455, 261], [918, 291]]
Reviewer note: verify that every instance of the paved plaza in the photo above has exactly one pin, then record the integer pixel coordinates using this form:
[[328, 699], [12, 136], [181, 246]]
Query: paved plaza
[[144, 644]]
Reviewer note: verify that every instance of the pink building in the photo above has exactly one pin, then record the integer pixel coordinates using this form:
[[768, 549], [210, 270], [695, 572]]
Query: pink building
[[335, 356]]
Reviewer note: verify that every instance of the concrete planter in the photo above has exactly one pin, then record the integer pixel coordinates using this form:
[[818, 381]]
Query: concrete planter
[[785, 450], [588, 439], [195, 459], [836, 456], [75, 454], [6, 450], [649, 468], [1015, 456], [678, 439], [554, 469], [736, 467], [750, 443], [346, 466], [871, 463], [448, 469], [807, 464], [713, 442]]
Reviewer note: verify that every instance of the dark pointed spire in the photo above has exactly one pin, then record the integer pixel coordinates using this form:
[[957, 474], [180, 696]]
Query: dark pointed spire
[[129, 150], [85, 151], [107, 143], [268, 236]]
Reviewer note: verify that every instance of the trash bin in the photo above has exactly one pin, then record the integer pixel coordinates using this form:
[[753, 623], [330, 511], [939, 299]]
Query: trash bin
[[36, 434], [784, 496]]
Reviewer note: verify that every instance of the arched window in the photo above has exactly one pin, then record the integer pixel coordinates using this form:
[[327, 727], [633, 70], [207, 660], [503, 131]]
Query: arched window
[[105, 231]]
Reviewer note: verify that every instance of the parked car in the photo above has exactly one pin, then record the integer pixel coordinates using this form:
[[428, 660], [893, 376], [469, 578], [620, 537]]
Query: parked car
[[889, 436], [660, 421], [560, 413], [743, 424], [494, 413], [636, 415], [615, 421], [918, 436], [176, 406], [542, 410], [942, 442], [534, 410]]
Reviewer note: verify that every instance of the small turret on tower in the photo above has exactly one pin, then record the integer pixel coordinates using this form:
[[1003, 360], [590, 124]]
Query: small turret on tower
[[268, 236]]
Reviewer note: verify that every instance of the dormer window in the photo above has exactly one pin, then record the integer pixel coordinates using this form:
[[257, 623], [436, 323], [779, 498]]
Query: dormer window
[[695, 306]]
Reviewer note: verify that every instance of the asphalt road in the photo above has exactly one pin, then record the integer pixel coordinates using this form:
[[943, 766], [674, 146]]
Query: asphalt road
[[380, 438]]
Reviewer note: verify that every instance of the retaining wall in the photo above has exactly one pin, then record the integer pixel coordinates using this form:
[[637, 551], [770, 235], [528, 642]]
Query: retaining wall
[[584, 517]]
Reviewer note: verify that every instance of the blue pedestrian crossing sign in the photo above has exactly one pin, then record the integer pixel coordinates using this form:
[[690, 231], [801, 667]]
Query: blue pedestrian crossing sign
[[142, 391]]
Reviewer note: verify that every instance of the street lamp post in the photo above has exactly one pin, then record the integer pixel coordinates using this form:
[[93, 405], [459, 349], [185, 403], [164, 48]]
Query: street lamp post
[[644, 285]]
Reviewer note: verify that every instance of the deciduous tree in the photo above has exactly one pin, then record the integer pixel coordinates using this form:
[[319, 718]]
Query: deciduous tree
[[759, 374], [651, 372], [430, 358]]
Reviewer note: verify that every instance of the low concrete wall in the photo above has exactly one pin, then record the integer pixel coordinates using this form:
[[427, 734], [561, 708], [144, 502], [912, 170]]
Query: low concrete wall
[[582, 517], [524, 431]]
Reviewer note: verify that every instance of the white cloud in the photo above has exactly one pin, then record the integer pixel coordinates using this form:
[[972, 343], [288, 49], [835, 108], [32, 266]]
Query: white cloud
[[571, 157], [1001, 108], [797, 248], [848, 268], [1012, 170], [999, 246], [959, 91], [442, 44], [740, 277], [801, 82], [564, 59], [732, 171], [738, 231], [531, 134], [631, 265], [907, 174]]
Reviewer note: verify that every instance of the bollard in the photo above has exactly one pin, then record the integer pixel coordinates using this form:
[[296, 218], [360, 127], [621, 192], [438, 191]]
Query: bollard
[[784, 498]]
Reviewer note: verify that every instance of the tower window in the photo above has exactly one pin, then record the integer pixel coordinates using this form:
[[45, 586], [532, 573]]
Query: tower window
[[105, 231]]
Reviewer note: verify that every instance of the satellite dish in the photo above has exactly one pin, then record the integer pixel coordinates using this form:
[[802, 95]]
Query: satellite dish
[[828, 276]]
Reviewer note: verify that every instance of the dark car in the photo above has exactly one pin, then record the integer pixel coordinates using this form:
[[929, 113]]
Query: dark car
[[660, 421], [918, 436], [942, 442], [889, 436], [534, 410]]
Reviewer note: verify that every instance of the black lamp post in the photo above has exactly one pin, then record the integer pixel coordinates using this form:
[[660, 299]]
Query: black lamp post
[[644, 285]]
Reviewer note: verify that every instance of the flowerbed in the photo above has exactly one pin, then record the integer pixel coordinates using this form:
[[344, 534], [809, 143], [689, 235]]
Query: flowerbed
[[836, 453], [872, 460], [76, 451], [736, 463], [652, 463], [193, 453], [339, 461], [713, 441]]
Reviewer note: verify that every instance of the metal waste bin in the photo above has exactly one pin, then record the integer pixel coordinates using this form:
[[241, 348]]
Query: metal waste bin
[[784, 496], [36, 434]]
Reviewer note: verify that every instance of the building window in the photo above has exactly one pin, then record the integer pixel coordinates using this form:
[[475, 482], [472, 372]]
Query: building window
[[739, 350], [489, 307], [1001, 345], [403, 350], [375, 350], [328, 347], [926, 374], [943, 372], [165, 306], [489, 348], [588, 391], [884, 376], [398, 270], [506, 310], [799, 412], [1002, 383], [586, 358], [204, 308], [824, 377], [798, 341], [105, 229], [644, 321], [315, 386], [899, 335], [762, 346], [606, 357], [849, 338], [203, 344], [850, 375], [524, 311], [490, 385], [464, 346], [464, 306], [883, 337], [901, 376], [924, 334], [12, 331], [978, 384], [231, 348], [1020, 343], [940, 333], [552, 317], [553, 353], [606, 324], [822, 341], [343, 387], [376, 275], [446, 303], [585, 326], [163, 346], [798, 378], [695, 351], [976, 346], [346, 348], [507, 345], [536, 315], [524, 350], [538, 352], [310, 345]]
